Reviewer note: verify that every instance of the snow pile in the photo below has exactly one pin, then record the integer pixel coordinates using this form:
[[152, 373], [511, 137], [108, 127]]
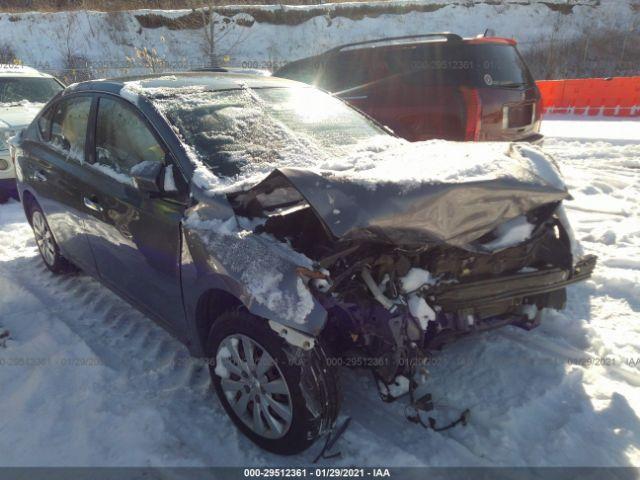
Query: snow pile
[[439, 161], [416, 278], [421, 310], [510, 233]]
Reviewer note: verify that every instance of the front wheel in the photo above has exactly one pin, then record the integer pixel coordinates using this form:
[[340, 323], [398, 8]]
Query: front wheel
[[279, 396]]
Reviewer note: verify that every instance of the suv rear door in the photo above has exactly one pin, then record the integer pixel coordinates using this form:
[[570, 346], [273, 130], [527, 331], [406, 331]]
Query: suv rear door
[[135, 236], [509, 97]]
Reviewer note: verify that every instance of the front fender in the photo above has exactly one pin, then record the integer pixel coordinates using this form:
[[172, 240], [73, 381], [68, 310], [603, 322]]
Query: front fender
[[258, 270]]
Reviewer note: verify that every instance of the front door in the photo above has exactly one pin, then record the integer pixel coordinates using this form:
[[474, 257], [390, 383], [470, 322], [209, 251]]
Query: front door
[[135, 236]]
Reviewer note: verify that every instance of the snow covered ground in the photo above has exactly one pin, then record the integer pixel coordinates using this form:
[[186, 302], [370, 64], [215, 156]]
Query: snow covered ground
[[86, 380]]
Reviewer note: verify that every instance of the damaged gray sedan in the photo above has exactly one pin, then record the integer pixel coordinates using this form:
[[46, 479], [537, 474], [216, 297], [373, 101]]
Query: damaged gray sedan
[[280, 233]]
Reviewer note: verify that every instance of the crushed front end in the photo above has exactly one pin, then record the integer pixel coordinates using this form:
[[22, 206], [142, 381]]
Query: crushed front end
[[388, 305], [388, 301]]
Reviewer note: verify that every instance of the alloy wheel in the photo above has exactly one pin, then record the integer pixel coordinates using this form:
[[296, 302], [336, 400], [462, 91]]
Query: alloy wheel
[[44, 239], [254, 386]]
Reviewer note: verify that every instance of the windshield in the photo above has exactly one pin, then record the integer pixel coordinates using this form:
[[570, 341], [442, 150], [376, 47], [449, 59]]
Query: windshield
[[34, 90], [246, 130]]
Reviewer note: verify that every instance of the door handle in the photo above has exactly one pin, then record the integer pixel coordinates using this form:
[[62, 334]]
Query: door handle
[[39, 176], [92, 205]]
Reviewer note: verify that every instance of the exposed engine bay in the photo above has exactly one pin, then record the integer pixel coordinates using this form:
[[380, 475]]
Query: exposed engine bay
[[389, 304]]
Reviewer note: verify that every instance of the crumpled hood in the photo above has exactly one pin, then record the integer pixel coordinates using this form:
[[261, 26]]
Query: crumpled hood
[[457, 205], [18, 115]]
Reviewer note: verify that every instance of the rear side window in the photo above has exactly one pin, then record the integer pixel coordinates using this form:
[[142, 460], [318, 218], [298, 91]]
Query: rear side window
[[338, 71], [304, 71], [354, 68], [64, 126], [123, 139]]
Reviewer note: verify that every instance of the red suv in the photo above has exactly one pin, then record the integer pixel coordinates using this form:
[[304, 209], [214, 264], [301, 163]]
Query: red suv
[[436, 85]]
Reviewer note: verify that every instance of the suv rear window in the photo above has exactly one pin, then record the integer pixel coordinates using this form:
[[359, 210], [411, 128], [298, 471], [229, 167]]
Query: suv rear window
[[477, 65], [428, 63]]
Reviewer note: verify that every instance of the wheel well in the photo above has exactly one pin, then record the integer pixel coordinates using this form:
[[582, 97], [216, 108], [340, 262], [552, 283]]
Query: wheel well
[[211, 305], [27, 200]]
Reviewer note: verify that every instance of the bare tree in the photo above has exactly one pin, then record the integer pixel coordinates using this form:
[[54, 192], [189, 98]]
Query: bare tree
[[76, 67], [69, 32], [209, 34], [216, 28], [7, 54]]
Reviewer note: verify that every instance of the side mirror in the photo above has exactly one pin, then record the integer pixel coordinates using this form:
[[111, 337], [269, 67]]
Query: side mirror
[[146, 176]]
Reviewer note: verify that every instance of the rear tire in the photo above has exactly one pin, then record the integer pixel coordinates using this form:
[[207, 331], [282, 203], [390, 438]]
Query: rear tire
[[285, 409], [46, 243]]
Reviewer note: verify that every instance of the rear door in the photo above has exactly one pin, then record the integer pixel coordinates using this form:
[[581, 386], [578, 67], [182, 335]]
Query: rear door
[[53, 168], [135, 236], [508, 93]]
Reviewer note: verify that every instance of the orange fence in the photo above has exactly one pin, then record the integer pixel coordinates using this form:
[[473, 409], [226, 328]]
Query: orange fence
[[612, 97]]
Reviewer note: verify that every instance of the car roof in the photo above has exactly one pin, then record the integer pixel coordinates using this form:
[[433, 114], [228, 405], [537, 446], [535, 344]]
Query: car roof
[[420, 39], [211, 81], [396, 43], [391, 43], [8, 70]]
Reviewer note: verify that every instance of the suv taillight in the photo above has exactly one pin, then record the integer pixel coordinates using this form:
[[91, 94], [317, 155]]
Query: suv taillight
[[473, 107]]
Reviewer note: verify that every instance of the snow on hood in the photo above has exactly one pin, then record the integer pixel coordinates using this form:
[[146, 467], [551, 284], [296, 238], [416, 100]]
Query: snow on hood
[[18, 114], [439, 161], [443, 212]]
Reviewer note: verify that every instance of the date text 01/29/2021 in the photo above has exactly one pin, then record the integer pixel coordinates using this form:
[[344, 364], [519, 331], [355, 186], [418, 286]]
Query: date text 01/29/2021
[[330, 472]]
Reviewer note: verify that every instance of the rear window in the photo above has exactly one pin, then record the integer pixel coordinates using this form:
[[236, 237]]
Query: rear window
[[429, 63], [480, 65], [35, 90]]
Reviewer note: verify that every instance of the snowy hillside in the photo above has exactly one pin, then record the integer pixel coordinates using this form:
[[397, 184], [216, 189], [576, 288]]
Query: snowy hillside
[[267, 36], [86, 380]]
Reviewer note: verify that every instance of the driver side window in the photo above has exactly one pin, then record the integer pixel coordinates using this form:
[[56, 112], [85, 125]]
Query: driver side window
[[123, 140]]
